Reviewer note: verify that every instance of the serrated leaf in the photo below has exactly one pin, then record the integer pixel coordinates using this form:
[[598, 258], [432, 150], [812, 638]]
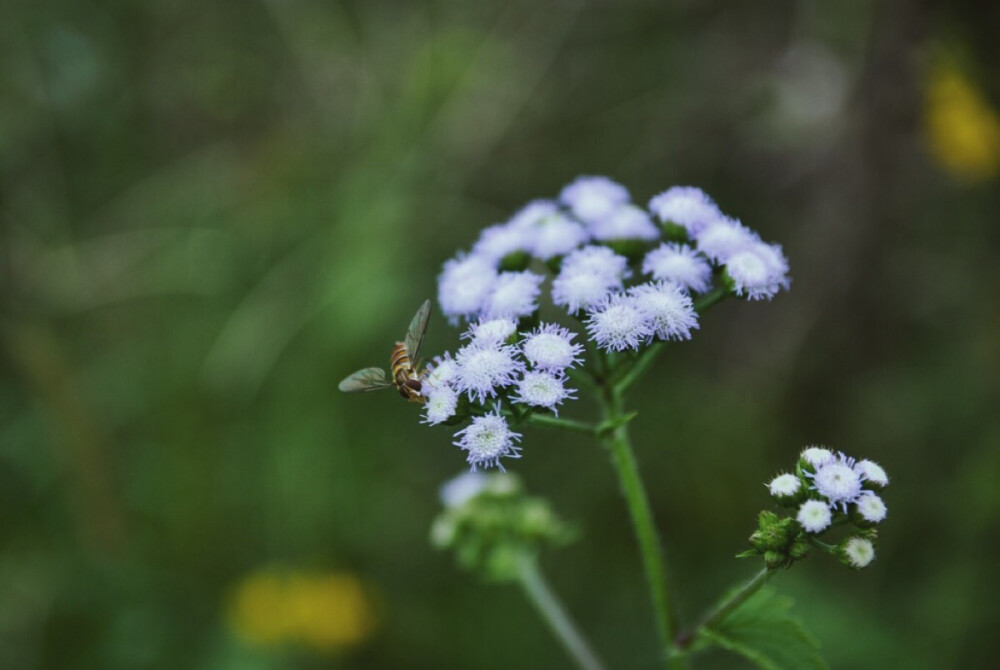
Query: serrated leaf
[[765, 632]]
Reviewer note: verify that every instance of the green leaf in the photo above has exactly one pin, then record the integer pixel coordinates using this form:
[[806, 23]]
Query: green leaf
[[764, 631]]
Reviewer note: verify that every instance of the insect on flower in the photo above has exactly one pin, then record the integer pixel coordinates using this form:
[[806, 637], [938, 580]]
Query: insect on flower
[[406, 377]]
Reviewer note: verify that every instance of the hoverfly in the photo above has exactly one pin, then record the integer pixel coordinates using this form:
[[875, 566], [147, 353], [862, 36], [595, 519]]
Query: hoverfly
[[403, 363]]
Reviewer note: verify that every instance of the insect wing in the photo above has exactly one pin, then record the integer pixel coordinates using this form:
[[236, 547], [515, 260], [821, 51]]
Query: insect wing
[[369, 379], [418, 327]]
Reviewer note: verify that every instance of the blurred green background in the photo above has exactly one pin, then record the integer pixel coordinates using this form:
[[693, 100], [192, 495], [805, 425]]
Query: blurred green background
[[211, 212]]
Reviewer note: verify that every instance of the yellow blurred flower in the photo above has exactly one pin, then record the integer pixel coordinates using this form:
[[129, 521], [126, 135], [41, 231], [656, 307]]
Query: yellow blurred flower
[[325, 611], [962, 128]]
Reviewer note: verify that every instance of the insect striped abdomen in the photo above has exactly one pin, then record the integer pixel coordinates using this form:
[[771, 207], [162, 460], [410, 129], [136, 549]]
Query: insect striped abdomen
[[405, 377]]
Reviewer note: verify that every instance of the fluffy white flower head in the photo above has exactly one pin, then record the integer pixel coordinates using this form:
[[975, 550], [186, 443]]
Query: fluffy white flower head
[[686, 206], [488, 439], [441, 371], [593, 198], [784, 486], [816, 456], [440, 405], [514, 294], [758, 271], [556, 235], [576, 290], [595, 259], [461, 489], [619, 324], [668, 309], [871, 508], [725, 237], [532, 214], [859, 552], [491, 330], [542, 389], [626, 222], [871, 472], [814, 516], [501, 240], [679, 263], [485, 367], [837, 481], [551, 347], [464, 285]]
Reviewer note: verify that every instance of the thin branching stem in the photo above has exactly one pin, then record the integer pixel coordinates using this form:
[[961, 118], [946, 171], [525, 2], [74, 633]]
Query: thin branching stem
[[549, 607], [728, 605], [555, 422], [622, 456]]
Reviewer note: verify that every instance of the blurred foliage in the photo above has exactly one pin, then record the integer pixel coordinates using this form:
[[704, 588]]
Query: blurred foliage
[[211, 212]]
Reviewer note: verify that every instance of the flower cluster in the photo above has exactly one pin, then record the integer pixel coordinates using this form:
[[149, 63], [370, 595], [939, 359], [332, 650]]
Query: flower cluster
[[498, 365], [628, 276], [491, 523], [827, 489], [592, 237]]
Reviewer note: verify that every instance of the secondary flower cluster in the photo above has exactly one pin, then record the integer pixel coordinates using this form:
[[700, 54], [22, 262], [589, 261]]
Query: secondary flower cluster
[[498, 363], [625, 274], [827, 489], [492, 524]]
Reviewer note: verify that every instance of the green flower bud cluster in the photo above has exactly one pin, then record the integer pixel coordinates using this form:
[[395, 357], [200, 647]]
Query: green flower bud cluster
[[494, 525], [827, 490]]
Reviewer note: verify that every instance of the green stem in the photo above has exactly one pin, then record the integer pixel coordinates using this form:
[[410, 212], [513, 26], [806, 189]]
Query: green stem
[[649, 356], [552, 611], [819, 544], [729, 605], [618, 443], [555, 422]]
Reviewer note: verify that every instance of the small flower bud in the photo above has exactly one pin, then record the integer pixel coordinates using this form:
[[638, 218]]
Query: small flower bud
[[869, 510], [857, 552], [787, 490]]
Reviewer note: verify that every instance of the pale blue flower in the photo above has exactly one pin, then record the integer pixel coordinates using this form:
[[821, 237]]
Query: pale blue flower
[[485, 367], [837, 481], [681, 264], [514, 294], [490, 331], [529, 216], [668, 309], [685, 206], [578, 290], [720, 240], [596, 259], [593, 198], [441, 371], [626, 222], [488, 439], [463, 286], [542, 389], [618, 324], [759, 271], [440, 404], [551, 347], [501, 240], [461, 489], [556, 235]]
